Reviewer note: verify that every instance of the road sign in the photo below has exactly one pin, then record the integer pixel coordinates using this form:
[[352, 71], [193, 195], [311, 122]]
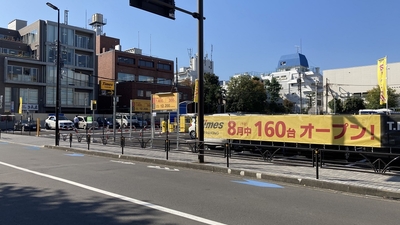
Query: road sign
[[141, 105], [165, 102], [107, 85], [107, 93]]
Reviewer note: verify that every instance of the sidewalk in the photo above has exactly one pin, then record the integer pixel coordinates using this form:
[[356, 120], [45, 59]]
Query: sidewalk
[[366, 183]]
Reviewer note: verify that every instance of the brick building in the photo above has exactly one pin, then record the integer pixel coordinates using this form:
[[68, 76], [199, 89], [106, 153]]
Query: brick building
[[135, 75]]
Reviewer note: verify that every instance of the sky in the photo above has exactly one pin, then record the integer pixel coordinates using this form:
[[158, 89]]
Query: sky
[[241, 35]]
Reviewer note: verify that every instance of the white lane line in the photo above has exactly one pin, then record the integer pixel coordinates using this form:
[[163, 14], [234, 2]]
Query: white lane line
[[122, 197], [122, 162], [163, 168]]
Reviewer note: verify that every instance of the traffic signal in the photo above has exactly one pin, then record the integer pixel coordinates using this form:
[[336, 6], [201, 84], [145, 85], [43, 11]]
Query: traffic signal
[[165, 8], [93, 104]]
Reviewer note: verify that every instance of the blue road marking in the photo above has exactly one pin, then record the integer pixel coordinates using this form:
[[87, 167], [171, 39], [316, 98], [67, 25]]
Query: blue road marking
[[33, 148], [74, 154], [258, 183]]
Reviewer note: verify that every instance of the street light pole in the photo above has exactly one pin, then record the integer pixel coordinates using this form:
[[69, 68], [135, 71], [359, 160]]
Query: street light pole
[[115, 108], [58, 74]]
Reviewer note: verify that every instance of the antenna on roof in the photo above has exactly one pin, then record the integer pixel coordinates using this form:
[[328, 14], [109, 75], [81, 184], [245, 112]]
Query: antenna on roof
[[297, 48], [211, 52]]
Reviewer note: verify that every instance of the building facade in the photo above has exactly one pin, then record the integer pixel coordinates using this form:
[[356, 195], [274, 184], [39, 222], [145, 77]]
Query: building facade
[[136, 76], [28, 62], [301, 84], [357, 81]]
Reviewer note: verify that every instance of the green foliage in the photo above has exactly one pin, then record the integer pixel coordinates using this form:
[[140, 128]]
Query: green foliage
[[353, 104], [336, 105], [213, 93], [273, 88], [246, 94], [373, 99]]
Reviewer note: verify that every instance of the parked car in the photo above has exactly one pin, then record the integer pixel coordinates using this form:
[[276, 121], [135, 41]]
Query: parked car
[[63, 122], [26, 125], [104, 122], [86, 122]]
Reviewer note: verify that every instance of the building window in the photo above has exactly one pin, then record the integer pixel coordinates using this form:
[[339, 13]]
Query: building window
[[148, 94], [22, 74], [126, 60], [126, 77], [146, 63], [164, 81], [81, 99], [8, 107], [163, 66], [29, 99], [140, 93], [147, 79]]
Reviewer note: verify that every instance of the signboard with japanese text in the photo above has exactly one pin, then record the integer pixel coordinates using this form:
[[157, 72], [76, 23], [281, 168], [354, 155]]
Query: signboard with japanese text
[[141, 105], [107, 85], [165, 102], [358, 130]]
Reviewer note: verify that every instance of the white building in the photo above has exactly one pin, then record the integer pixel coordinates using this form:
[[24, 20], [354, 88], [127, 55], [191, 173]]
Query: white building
[[191, 72], [300, 84], [356, 81]]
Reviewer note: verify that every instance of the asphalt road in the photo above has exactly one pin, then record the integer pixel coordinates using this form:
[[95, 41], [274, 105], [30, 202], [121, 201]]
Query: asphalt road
[[43, 186]]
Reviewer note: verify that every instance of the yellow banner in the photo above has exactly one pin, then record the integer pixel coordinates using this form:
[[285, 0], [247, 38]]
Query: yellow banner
[[364, 130], [20, 105], [382, 79], [196, 91]]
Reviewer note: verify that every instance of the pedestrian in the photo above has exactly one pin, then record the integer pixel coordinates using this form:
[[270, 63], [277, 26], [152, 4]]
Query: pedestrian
[[76, 122]]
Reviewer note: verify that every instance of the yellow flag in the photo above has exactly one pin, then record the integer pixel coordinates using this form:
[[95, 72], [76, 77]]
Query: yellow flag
[[20, 105], [196, 91], [381, 72]]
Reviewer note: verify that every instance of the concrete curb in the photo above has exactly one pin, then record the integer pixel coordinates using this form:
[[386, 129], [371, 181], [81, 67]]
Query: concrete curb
[[323, 184]]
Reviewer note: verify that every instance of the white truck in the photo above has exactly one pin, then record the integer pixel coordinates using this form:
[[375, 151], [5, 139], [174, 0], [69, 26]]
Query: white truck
[[126, 120]]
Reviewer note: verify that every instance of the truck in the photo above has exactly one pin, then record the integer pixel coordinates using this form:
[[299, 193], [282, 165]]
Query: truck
[[128, 121]]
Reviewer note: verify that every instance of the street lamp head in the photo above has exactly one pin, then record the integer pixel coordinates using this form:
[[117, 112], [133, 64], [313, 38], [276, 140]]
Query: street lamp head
[[52, 6]]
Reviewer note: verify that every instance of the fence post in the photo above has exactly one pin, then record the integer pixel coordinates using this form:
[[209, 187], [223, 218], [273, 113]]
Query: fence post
[[316, 160], [122, 144], [88, 140], [227, 154], [70, 140], [167, 147]]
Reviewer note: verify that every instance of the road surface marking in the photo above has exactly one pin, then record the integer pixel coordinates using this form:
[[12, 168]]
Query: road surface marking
[[257, 183], [122, 197], [163, 168], [122, 162]]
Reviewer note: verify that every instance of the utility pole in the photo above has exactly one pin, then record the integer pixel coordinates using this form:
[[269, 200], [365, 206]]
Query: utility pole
[[299, 87]]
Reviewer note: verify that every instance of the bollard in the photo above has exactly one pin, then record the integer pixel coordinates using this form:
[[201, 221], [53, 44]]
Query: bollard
[[70, 140], [316, 160], [88, 140], [122, 144]]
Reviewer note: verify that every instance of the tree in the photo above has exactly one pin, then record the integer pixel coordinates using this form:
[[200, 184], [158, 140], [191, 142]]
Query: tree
[[353, 104], [336, 105], [373, 98], [246, 94], [212, 93], [273, 88]]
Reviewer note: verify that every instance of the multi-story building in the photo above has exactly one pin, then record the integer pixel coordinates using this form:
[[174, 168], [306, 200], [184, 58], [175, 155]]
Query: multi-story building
[[301, 84], [28, 55], [357, 81], [191, 73], [136, 76]]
